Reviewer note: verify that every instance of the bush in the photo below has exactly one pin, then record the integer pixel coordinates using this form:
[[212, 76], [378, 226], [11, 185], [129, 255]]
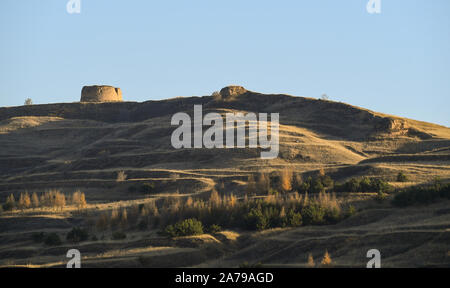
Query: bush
[[214, 228], [380, 196], [78, 235], [401, 177], [350, 211], [119, 235], [364, 185], [315, 185], [52, 239], [186, 227], [10, 203], [332, 216], [256, 220], [421, 195], [313, 214], [294, 219]]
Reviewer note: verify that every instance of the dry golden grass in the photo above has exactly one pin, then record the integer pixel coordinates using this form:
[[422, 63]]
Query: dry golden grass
[[91, 155]]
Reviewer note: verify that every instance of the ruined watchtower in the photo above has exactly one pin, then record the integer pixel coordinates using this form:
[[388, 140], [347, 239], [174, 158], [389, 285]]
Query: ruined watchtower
[[101, 94]]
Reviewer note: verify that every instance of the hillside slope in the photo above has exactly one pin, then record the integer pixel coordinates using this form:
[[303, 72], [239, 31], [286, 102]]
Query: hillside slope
[[84, 146], [69, 142]]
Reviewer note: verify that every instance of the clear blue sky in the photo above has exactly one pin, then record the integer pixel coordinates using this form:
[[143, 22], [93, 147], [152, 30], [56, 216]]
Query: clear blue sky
[[397, 62]]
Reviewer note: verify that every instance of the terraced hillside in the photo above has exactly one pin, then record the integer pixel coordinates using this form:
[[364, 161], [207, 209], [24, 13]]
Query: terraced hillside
[[83, 146]]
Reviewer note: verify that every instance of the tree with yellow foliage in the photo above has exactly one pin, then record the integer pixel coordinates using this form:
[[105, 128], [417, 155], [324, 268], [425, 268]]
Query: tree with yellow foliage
[[311, 263], [322, 172], [24, 201], [34, 200], [326, 260], [286, 179]]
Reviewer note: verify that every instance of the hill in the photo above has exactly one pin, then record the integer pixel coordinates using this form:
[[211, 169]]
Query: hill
[[83, 146]]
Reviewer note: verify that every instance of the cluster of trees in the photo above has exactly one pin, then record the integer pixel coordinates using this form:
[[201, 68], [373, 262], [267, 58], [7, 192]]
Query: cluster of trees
[[326, 261], [317, 184], [137, 216], [287, 181], [185, 227], [179, 217], [288, 210], [53, 239], [418, 195], [364, 184], [51, 198], [190, 227], [49, 239], [78, 234], [401, 177]]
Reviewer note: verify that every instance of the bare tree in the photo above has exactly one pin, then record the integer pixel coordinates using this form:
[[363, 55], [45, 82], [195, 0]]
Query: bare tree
[[121, 176]]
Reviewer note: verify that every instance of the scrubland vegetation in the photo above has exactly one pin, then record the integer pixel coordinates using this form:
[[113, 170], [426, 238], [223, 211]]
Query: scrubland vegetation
[[190, 217], [277, 200], [421, 195], [52, 199]]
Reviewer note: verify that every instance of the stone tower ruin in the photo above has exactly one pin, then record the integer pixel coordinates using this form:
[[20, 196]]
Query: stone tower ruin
[[100, 94]]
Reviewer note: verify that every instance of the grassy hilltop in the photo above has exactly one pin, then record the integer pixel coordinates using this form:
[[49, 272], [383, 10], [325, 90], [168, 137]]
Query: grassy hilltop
[[104, 178]]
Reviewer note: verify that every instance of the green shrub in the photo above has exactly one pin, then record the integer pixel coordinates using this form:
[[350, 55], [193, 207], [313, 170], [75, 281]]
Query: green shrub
[[313, 214], [119, 235], [364, 185], [77, 235], [327, 181], [350, 211], [294, 219], [147, 188], [421, 195], [186, 227], [214, 228], [401, 177], [256, 220], [8, 206], [52, 239], [332, 216], [315, 185], [381, 196]]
